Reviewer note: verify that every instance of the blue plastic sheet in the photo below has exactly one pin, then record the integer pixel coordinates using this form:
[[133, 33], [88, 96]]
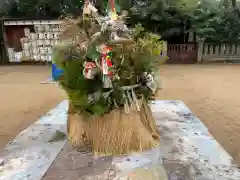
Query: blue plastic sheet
[[56, 72]]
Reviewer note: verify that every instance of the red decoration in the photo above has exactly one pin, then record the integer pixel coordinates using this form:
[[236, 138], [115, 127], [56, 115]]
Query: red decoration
[[88, 66], [106, 60]]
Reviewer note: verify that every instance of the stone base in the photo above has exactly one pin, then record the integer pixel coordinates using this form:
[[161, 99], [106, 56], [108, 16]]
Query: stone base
[[187, 152], [74, 165]]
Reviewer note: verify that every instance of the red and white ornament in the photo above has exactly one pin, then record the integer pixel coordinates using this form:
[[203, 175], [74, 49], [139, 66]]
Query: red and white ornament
[[89, 70]]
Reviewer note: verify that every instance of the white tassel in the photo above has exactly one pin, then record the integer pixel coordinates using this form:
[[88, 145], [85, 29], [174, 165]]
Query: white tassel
[[150, 81], [106, 94], [92, 8], [136, 101], [130, 100], [126, 105], [107, 83], [115, 104]]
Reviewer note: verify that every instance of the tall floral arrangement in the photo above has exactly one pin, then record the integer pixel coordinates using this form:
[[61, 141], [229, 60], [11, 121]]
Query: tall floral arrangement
[[109, 75]]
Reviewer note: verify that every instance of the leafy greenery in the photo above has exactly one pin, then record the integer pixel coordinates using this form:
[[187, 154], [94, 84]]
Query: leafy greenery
[[129, 58], [222, 23], [42, 8], [58, 136], [212, 20], [173, 19]]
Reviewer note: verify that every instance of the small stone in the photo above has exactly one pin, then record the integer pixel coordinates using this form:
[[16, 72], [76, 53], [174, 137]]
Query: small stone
[[111, 173], [164, 158], [12, 142], [90, 164], [27, 176], [2, 162], [227, 171], [198, 173], [34, 138], [180, 140]]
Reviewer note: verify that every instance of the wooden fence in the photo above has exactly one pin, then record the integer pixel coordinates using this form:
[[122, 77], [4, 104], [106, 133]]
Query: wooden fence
[[218, 53], [182, 53]]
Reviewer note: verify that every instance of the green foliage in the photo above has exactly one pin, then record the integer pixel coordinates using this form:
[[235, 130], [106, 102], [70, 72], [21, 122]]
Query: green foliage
[[213, 20], [67, 57], [129, 62], [184, 7], [169, 18], [218, 24], [43, 8], [58, 136]]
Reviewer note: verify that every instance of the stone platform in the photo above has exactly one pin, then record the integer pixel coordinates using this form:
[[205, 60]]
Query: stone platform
[[187, 152]]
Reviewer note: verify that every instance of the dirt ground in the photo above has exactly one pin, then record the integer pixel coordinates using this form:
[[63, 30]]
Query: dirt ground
[[210, 91], [23, 99]]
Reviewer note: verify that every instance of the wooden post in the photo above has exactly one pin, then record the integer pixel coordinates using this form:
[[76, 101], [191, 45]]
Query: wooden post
[[5, 58], [200, 50], [1, 44], [165, 49]]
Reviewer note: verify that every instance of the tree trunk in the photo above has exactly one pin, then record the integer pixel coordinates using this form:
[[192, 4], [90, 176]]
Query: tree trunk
[[235, 8], [234, 3]]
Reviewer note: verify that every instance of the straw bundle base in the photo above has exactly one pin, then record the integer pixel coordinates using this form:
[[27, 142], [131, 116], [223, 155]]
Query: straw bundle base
[[115, 133]]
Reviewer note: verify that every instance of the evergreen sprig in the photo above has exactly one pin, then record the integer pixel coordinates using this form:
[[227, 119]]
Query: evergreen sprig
[[129, 62]]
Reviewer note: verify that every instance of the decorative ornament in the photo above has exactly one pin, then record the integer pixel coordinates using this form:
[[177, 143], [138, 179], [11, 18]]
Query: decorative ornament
[[107, 82], [114, 16], [113, 13], [130, 98], [94, 97], [120, 120], [120, 35], [92, 8], [86, 9], [106, 94], [90, 70], [126, 104], [148, 80], [106, 64], [135, 100]]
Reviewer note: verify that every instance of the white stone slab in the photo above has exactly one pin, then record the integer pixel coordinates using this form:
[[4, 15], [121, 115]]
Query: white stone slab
[[147, 165], [29, 155], [189, 151]]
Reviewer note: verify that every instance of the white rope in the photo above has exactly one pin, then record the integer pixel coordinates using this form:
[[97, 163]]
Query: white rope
[[130, 87]]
